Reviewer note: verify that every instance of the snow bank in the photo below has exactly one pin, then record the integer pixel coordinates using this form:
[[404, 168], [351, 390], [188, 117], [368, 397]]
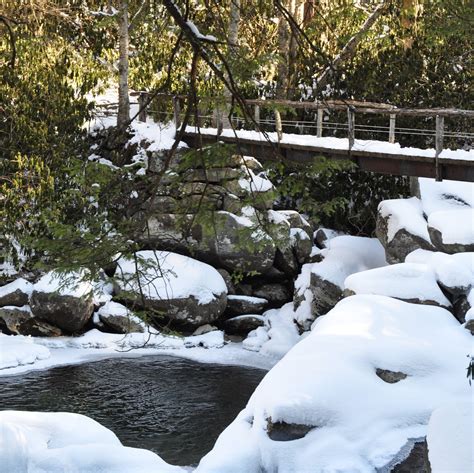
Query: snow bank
[[455, 226], [451, 437], [346, 255], [407, 281], [404, 214], [328, 381], [164, 275], [39, 442], [18, 351]]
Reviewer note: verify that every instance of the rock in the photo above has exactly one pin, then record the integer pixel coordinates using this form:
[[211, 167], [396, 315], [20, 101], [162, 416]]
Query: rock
[[161, 204], [469, 325], [286, 261], [416, 461], [275, 293], [228, 281], [176, 288], [401, 228], [119, 319], [240, 304], [243, 324], [284, 432], [301, 244], [238, 244], [244, 289], [323, 235], [20, 321], [452, 231], [16, 293], [325, 294], [296, 220], [390, 377], [212, 175], [204, 329], [63, 301], [460, 308]]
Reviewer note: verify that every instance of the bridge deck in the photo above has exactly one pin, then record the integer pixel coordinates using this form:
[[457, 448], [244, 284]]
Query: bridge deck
[[302, 150]]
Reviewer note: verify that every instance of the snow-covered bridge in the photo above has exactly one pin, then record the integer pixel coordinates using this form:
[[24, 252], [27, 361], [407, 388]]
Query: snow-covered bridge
[[301, 140]]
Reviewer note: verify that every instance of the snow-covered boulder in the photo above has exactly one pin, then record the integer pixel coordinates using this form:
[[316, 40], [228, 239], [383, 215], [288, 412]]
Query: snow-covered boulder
[[454, 273], [450, 437], [34, 442], [20, 321], [184, 290], [402, 228], [445, 195], [18, 351], [16, 293], [240, 305], [452, 231], [409, 282], [64, 300], [119, 319], [243, 324], [355, 422], [344, 256]]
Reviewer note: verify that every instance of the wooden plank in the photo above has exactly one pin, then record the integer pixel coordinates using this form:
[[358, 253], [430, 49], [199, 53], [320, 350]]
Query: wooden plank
[[439, 145]]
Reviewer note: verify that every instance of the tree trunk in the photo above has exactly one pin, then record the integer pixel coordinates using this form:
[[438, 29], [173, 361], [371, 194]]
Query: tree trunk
[[349, 49], [233, 43], [283, 55], [123, 116]]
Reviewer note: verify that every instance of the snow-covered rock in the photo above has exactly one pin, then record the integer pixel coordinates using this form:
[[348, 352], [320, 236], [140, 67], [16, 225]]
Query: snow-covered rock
[[243, 324], [402, 228], [240, 304], [454, 273], [450, 437], [119, 319], [355, 421], [56, 442], [64, 300], [185, 290], [15, 293], [344, 256], [452, 231], [18, 351], [409, 282]]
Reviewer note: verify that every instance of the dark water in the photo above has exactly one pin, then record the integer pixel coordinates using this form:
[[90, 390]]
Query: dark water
[[173, 406]]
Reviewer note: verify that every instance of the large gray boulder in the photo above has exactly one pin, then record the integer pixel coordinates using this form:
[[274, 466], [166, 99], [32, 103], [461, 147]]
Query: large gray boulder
[[64, 301], [402, 228], [240, 304], [243, 324], [172, 288]]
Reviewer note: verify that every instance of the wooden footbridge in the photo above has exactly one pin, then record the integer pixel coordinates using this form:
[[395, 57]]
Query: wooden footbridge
[[267, 137]]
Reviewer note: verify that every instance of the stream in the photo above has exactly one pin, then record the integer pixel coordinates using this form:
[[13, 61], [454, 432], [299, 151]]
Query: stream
[[172, 406]]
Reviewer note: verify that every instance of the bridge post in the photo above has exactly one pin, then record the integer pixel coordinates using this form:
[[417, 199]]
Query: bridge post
[[142, 107], [278, 125], [319, 123], [176, 113], [439, 145], [351, 126], [391, 129], [256, 116]]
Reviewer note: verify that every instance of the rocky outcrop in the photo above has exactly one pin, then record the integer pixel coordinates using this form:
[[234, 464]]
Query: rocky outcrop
[[389, 376], [16, 293]]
